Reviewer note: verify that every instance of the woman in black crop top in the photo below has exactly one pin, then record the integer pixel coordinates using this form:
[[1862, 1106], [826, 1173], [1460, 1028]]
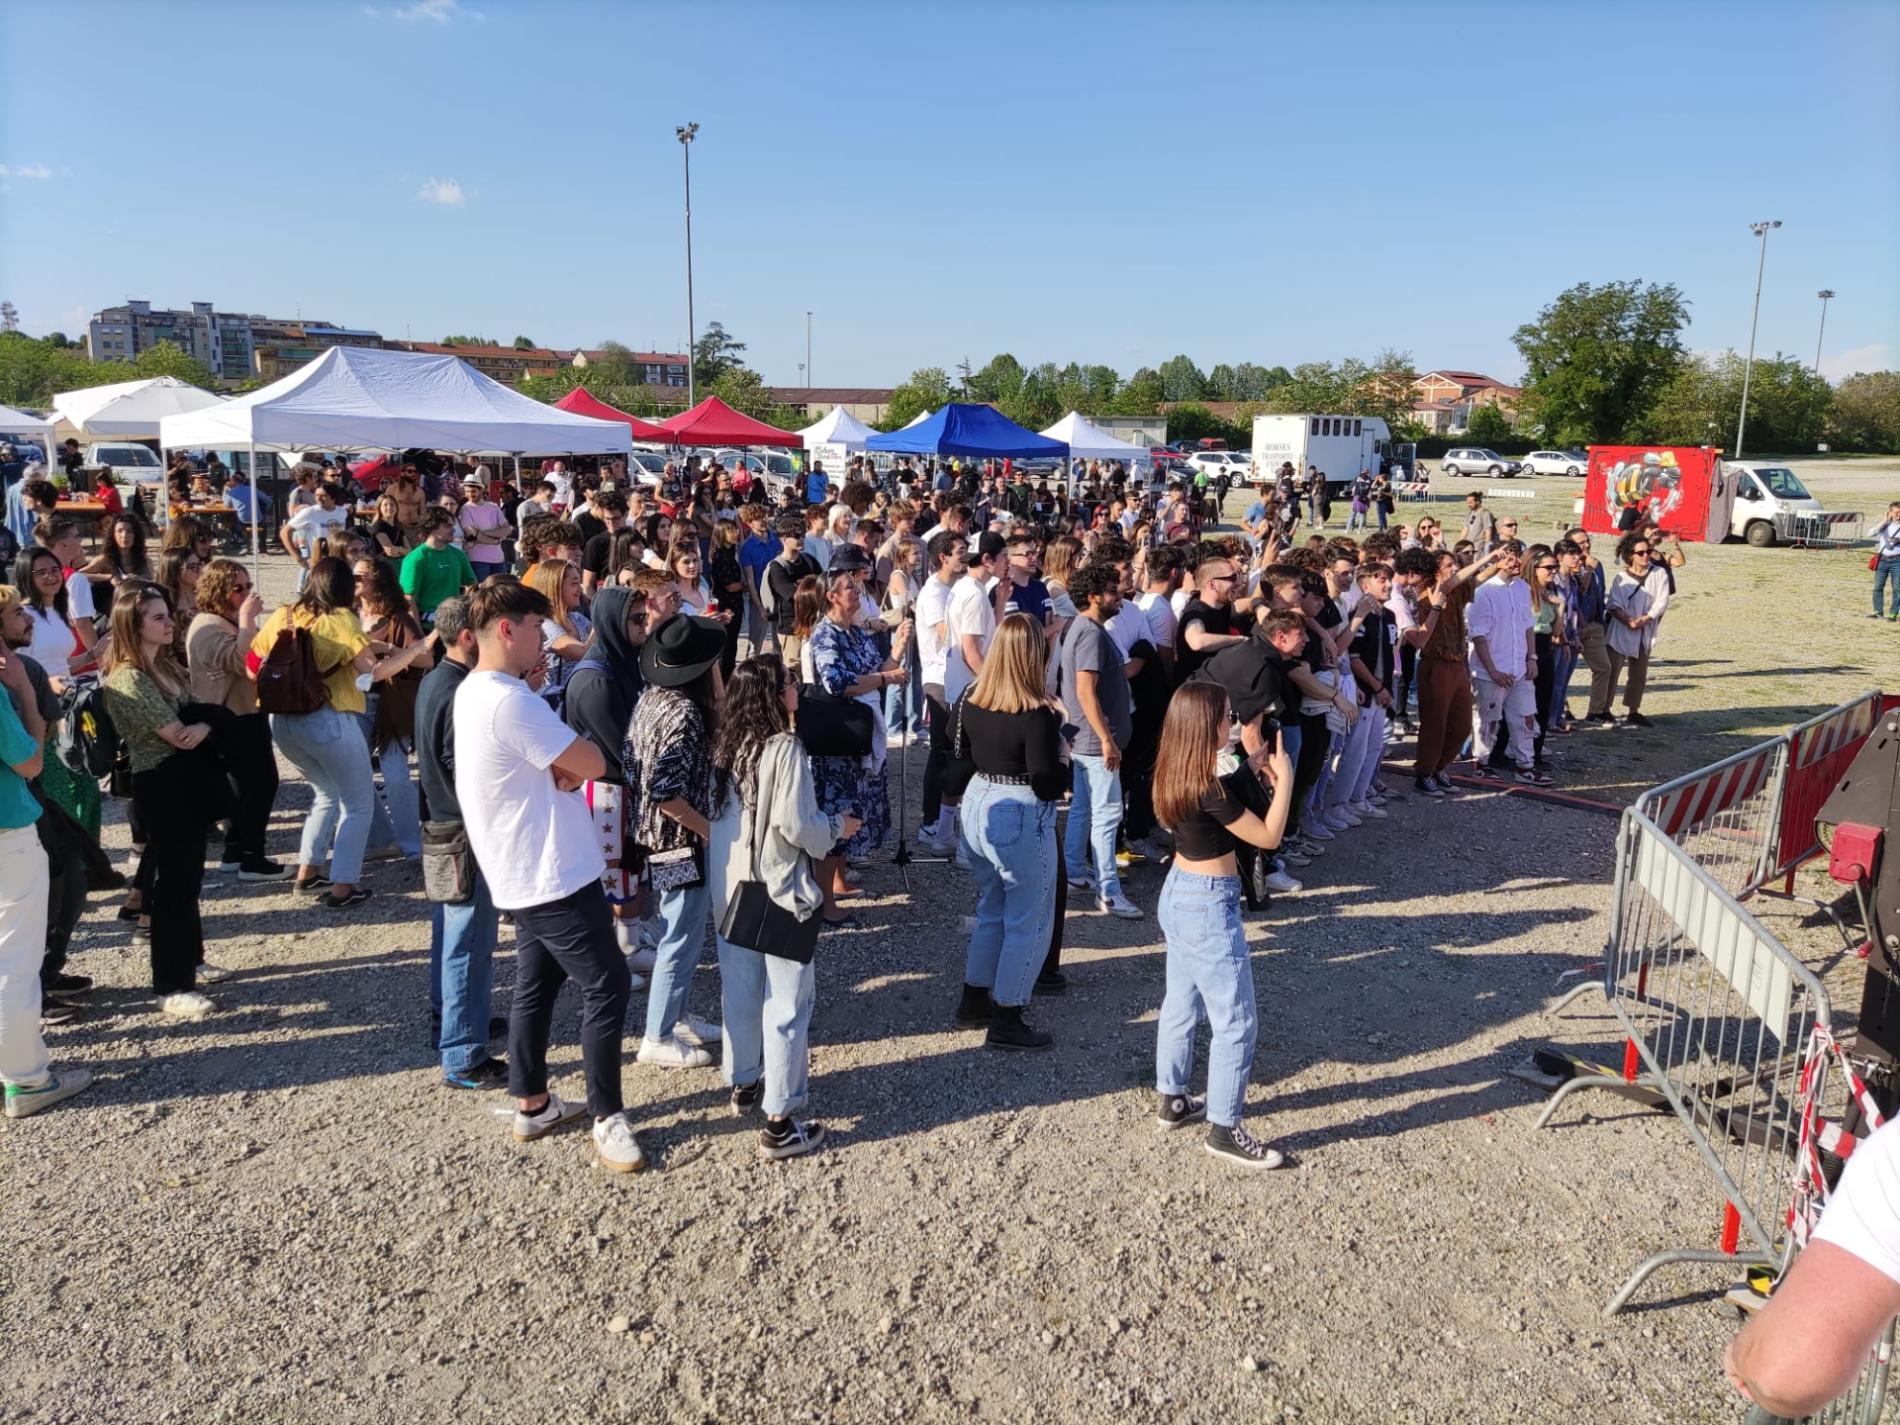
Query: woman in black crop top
[[1008, 763], [1208, 965]]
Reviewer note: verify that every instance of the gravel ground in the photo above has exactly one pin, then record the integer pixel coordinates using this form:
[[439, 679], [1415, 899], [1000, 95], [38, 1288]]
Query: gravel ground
[[280, 1214]]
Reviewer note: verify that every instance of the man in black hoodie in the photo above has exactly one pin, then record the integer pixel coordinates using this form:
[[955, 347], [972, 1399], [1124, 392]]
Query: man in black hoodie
[[598, 704]]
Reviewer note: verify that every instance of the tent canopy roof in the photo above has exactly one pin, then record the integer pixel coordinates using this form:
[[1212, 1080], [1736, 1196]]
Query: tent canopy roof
[[582, 402], [713, 422], [361, 398], [130, 410], [16, 422], [968, 429], [1090, 442], [838, 428]]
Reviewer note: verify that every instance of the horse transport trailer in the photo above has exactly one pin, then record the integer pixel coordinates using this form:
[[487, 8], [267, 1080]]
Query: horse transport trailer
[[1339, 446]]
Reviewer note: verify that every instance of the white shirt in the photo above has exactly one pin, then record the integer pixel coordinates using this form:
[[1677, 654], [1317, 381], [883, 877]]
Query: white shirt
[[1649, 595], [1863, 1217], [312, 522], [54, 641], [1500, 614], [1180, 599], [933, 606], [1160, 616], [534, 843], [79, 603], [971, 612], [1128, 627]]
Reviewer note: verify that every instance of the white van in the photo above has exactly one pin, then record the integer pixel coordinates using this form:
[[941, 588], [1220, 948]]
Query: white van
[[1766, 497], [129, 462]]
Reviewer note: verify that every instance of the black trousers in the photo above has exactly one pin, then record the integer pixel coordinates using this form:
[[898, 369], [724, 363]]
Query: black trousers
[[177, 816], [1408, 673], [938, 757], [569, 939], [254, 774], [65, 904], [1315, 742]]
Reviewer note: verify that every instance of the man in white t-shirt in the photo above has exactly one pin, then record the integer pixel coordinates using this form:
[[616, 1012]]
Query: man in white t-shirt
[[945, 554], [1502, 630], [61, 537], [1819, 1328], [1156, 602], [970, 623], [308, 525], [518, 770]]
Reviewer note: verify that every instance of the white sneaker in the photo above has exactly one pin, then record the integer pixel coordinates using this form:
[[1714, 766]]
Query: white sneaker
[[1281, 883], [698, 1032], [897, 741], [1122, 908], [618, 1148], [1145, 846], [671, 1052], [1315, 828], [641, 961], [1081, 883], [928, 843], [1342, 818], [1366, 811], [187, 1005], [962, 859], [552, 1114], [214, 974]]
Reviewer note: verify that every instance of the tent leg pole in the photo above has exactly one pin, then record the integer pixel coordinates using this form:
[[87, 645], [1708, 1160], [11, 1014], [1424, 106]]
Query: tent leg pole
[[257, 576]]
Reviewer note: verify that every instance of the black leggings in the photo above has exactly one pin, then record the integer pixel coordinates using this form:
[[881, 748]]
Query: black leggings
[[1408, 673], [171, 798], [937, 759], [254, 775]]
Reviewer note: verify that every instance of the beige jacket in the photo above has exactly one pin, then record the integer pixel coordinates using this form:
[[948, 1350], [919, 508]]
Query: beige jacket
[[216, 660]]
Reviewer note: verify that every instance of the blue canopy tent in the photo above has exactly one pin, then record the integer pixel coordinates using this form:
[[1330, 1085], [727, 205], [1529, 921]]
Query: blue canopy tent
[[968, 429]]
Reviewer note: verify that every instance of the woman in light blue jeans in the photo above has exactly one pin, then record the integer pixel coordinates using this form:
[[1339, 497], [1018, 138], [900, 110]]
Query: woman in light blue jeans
[[388, 719], [767, 828], [1008, 763], [1210, 973]]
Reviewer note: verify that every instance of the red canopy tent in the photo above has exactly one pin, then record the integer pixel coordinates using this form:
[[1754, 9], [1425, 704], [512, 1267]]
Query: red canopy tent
[[713, 422], [581, 402]]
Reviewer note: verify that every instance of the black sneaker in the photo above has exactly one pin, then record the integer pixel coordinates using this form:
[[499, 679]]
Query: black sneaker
[[745, 1098], [311, 886], [1235, 1145], [261, 868], [792, 1139], [1444, 784], [1426, 787], [1636, 719], [66, 984], [355, 897], [1531, 777], [975, 1007], [55, 1010], [1053, 983], [1180, 1109], [490, 1074], [1608, 719], [1008, 1031]]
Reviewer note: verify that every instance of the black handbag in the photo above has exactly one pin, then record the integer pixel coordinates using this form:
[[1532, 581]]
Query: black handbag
[[754, 921], [832, 726]]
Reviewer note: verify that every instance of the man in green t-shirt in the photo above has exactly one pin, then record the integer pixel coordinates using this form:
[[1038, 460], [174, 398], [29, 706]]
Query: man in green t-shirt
[[435, 569]]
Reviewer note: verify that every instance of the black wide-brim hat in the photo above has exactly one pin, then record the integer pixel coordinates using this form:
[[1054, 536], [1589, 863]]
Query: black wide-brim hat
[[680, 649]]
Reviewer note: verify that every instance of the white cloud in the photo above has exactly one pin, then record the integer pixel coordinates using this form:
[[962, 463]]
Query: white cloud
[[1838, 365], [445, 191], [25, 170], [437, 11]]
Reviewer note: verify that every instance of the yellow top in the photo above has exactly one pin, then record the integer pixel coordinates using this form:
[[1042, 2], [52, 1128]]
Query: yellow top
[[337, 637]]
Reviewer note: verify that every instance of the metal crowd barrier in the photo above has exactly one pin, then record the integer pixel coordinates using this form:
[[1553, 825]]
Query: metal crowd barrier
[[1718, 1016], [1726, 816], [1822, 531], [1819, 751]]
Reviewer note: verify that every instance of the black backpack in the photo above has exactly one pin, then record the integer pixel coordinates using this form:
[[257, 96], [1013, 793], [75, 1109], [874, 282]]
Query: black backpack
[[88, 742]]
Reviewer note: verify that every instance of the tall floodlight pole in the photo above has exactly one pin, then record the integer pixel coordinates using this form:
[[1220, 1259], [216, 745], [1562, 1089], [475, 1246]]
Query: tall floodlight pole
[[685, 133], [808, 349], [1760, 230], [1826, 294]]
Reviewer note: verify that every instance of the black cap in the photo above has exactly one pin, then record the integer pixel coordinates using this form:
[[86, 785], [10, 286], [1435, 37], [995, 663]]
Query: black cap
[[989, 544], [848, 559]]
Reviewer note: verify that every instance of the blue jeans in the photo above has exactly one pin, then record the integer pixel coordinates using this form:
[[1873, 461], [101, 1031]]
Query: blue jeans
[[683, 921], [1556, 714], [1095, 815], [462, 976], [329, 749], [401, 824], [1009, 835], [765, 1010], [1886, 572], [1209, 974], [904, 706]]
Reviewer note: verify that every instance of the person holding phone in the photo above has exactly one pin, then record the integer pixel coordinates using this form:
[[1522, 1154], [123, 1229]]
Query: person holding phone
[[1208, 969]]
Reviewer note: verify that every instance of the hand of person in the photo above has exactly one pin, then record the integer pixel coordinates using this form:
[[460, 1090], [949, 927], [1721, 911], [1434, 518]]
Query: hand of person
[[252, 608], [898, 677], [537, 677], [1503, 680], [1111, 756], [13, 672], [193, 734], [849, 826], [1384, 699]]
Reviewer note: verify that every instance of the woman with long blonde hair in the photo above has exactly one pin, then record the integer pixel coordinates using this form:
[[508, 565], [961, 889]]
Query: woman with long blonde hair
[[1010, 767], [563, 637], [1209, 970]]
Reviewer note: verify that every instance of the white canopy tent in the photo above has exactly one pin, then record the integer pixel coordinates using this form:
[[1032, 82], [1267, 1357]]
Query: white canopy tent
[[917, 420], [17, 422], [840, 429], [130, 410], [1089, 442], [357, 398]]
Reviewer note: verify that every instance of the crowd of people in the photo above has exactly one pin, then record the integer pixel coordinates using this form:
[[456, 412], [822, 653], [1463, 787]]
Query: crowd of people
[[609, 714]]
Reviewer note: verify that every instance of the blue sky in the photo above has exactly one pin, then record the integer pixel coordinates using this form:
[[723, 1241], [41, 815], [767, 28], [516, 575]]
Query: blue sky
[[1109, 182]]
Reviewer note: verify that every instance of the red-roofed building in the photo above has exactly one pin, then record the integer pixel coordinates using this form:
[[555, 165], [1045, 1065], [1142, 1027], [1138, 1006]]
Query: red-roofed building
[[1445, 399]]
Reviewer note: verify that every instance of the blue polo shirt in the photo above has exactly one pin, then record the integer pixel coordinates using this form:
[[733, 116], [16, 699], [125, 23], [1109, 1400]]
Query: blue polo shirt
[[755, 554], [17, 807]]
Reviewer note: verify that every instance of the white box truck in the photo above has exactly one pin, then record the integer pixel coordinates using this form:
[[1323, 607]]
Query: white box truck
[[1340, 446]]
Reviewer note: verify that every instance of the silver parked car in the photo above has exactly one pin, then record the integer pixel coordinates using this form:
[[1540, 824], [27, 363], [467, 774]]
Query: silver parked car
[[1476, 460]]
